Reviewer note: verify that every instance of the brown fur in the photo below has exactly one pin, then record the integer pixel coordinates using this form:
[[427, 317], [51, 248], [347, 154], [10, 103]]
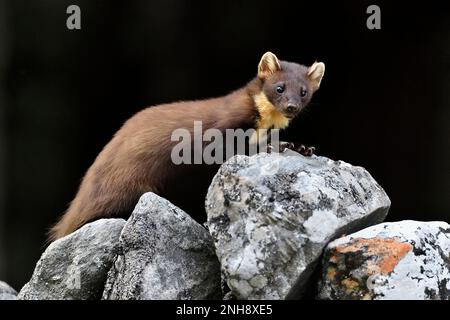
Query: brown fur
[[137, 159]]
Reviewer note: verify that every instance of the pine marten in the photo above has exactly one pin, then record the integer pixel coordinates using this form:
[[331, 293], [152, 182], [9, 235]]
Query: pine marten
[[137, 159]]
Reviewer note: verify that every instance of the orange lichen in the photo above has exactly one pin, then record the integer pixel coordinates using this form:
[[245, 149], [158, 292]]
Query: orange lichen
[[387, 252], [331, 273], [350, 284], [333, 259]]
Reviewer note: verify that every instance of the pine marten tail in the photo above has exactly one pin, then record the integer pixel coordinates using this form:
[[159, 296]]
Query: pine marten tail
[[66, 225]]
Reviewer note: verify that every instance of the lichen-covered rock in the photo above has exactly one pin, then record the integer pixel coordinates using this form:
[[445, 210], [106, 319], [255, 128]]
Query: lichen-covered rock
[[397, 260], [6, 292], [164, 254], [75, 267], [271, 215]]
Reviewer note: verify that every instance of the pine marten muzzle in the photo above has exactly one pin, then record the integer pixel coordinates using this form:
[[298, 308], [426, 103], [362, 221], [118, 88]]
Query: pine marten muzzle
[[138, 157]]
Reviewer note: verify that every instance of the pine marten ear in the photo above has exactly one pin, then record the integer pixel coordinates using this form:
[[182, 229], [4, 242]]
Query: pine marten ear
[[315, 74], [268, 65]]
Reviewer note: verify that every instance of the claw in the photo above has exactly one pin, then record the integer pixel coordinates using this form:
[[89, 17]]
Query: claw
[[310, 151], [301, 149], [306, 151], [286, 145]]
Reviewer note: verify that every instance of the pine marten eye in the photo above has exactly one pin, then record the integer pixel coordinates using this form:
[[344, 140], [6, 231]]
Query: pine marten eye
[[280, 89], [303, 93]]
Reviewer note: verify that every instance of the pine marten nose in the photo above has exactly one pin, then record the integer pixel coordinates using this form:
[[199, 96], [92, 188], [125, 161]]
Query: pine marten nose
[[292, 108]]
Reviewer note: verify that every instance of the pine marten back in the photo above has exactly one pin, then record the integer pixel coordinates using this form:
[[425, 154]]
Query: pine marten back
[[138, 158]]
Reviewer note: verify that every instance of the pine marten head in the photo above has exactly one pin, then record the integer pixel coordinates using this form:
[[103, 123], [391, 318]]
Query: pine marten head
[[286, 88]]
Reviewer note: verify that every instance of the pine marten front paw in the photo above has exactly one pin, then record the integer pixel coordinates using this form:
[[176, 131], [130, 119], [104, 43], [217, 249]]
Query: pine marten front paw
[[300, 148], [282, 147]]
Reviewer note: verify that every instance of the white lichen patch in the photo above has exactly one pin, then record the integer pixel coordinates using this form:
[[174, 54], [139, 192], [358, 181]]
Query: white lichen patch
[[320, 225]]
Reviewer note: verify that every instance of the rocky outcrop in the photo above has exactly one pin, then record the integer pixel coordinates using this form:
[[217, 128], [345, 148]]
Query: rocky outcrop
[[164, 254], [75, 267], [399, 260], [6, 292], [271, 215], [278, 225]]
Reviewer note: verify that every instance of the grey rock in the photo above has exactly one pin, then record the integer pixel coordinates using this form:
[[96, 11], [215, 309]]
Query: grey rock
[[165, 254], [406, 260], [6, 292], [75, 266], [271, 215]]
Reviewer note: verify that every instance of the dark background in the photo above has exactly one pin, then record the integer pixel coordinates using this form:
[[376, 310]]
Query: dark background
[[384, 102]]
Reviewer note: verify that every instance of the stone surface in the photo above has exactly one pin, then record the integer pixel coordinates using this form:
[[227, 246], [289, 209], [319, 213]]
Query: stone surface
[[271, 215], [165, 254], [6, 292], [75, 267], [398, 260]]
